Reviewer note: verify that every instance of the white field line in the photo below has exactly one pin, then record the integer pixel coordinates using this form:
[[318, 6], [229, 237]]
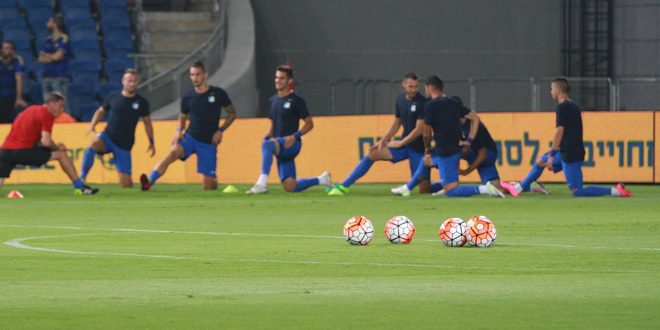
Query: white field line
[[19, 243], [211, 233]]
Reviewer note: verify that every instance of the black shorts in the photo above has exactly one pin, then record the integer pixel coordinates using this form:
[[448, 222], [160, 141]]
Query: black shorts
[[9, 158]]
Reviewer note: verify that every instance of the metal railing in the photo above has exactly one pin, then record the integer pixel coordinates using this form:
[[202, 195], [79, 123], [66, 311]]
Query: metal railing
[[374, 96], [169, 85]]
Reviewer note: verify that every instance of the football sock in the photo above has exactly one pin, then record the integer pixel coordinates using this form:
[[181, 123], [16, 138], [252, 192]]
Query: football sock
[[464, 191], [267, 152], [592, 191], [359, 171], [436, 186], [533, 175], [87, 162], [153, 176], [302, 184], [263, 180], [422, 172], [78, 184]]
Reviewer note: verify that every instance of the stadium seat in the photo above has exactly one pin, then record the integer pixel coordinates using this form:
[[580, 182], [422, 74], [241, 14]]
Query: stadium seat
[[87, 54], [75, 13], [66, 5], [106, 4], [38, 17], [87, 111], [117, 42], [29, 5], [15, 20], [83, 65], [81, 32], [114, 68], [107, 88], [81, 21], [19, 35], [7, 5], [85, 44], [117, 53], [112, 24], [114, 13], [86, 76], [119, 33]]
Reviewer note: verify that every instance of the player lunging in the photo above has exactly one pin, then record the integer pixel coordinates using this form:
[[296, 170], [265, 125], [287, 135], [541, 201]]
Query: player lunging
[[30, 142], [567, 151], [123, 109], [201, 108], [409, 113], [284, 140]]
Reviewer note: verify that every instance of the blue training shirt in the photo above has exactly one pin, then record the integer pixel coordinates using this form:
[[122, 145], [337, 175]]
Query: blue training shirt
[[59, 69], [8, 71], [444, 116], [204, 110], [123, 114], [410, 111], [286, 113]]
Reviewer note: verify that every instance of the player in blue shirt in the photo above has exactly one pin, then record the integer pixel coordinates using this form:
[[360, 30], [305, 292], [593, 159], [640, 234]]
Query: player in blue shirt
[[284, 140], [123, 110], [409, 113], [201, 108], [442, 122], [12, 69], [55, 54], [567, 151]]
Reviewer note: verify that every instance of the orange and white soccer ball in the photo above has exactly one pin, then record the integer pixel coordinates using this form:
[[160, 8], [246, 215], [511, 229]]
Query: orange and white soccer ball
[[358, 230], [452, 232], [399, 230], [481, 231]]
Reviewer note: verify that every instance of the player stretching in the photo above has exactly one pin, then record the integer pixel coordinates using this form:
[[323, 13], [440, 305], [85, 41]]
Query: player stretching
[[567, 151], [442, 122], [201, 107], [124, 109], [284, 139], [30, 143], [481, 155], [409, 113]]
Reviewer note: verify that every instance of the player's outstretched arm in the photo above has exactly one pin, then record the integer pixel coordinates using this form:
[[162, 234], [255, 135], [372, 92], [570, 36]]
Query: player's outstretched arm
[[149, 129], [100, 112], [415, 133]]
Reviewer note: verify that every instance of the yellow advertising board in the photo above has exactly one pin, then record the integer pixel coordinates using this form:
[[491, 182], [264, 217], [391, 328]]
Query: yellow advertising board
[[619, 146], [656, 124]]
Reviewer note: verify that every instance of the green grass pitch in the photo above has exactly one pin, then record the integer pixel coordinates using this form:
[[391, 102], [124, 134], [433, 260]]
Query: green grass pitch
[[178, 257]]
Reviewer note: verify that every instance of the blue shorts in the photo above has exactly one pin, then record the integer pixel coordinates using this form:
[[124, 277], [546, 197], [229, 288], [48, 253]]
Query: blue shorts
[[405, 152], [487, 170], [207, 154], [573, 175], [286, 164], [448, 168], [556, 161], [122, 161]]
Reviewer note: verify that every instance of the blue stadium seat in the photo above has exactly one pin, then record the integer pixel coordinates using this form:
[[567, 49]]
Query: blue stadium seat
[[84, 65], [12, 20], [86, 111], [85, 44], [90, 77], [66, 5], [39, 16], [29, 5], [117, 53], [80, 32], [75, 13], [36, 92], [19, 35], [112, 24], [114, 13], [119, 34], [117, 42], [87, 21], [93, 55], [107, 88], [114, 68], [7, 5], [106, 4]]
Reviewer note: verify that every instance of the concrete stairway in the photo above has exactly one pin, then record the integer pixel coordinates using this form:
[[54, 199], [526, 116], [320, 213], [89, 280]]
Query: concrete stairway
[[169, 36]]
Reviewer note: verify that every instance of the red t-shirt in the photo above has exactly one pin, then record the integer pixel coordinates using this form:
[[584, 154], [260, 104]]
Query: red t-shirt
[[27, 127]]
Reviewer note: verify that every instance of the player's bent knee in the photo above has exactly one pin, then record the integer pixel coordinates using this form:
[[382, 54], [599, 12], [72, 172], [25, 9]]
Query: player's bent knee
[[289, 185]]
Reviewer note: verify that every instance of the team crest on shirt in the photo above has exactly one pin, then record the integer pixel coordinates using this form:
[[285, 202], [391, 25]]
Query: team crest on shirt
[[413, 107], [136, 105], [287, 104], [211, 98]]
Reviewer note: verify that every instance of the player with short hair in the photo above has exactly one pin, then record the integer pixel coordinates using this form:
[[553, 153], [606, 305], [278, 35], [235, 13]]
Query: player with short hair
[[409, 113], [201, 108], [567, 151], [30, 142], [284, 140], [12, 70], [442, 122], [124, 109]]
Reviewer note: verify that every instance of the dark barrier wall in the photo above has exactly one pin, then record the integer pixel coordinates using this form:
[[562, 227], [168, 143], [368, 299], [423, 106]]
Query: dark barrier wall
[[330, 40]]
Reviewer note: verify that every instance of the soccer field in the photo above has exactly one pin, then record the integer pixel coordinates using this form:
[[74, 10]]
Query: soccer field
[[178, 257]]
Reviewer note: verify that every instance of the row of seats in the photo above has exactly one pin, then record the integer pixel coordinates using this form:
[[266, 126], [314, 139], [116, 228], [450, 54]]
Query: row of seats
[[92, 63]]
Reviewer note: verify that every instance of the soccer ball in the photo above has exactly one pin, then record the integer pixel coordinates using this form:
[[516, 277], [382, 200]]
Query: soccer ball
[[452, 232], [399, 230], [481, 231], [358, 230]]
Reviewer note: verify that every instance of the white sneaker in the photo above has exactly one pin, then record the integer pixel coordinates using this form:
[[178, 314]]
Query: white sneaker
[[438, 193], [257, 189], [325, 179], [401, 191], [493, 190]]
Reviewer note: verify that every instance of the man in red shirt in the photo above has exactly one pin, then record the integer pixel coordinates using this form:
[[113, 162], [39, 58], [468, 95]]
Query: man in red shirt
[[29, 142]]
